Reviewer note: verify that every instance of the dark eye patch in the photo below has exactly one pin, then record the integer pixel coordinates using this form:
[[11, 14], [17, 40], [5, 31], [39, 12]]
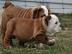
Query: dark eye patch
[[42, 15], [56, 22], [47, 20]]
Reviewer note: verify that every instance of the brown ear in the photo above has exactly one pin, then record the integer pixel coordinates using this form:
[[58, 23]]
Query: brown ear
[[7, 3], [35, 12], [48, 17], [47, 20], [41, 12], [38, 12]]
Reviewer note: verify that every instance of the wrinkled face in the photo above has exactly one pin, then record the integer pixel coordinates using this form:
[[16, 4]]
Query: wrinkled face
[[53, 24]]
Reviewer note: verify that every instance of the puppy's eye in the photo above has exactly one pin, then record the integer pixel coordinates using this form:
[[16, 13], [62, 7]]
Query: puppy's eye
[[43, 15], [56, 22]]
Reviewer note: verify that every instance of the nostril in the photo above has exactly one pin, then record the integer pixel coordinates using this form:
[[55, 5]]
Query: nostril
[[62, 27]]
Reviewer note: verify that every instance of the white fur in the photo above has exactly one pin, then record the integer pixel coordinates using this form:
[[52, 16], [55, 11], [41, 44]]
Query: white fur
[[45, 10], [52, 28], [52, 40]]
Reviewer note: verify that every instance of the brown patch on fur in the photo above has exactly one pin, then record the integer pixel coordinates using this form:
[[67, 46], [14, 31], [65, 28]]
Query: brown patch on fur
[[41, 38], [47, 20]]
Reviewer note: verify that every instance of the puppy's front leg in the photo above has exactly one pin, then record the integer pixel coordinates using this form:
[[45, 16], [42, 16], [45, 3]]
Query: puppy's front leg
[[9, 29]]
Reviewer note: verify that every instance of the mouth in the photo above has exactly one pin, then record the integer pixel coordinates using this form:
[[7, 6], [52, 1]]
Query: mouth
[[59, 30]]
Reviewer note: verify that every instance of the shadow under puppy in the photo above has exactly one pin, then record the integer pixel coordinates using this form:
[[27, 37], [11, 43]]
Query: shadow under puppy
[[26, 29]]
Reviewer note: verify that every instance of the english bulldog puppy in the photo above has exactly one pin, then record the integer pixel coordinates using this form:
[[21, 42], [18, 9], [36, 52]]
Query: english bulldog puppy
[[25, 30], [51, 27], [12, 11]]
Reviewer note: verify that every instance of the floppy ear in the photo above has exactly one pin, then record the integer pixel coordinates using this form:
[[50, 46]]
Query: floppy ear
[[48, 17], [38, 12], [47, 20], [7, 3], [35, 12]]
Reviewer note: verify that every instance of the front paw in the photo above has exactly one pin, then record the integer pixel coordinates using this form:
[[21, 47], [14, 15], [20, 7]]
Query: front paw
[[7, 47]]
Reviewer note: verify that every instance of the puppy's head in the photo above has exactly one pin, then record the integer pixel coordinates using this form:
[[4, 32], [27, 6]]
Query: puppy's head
[[41, 11], [52, 23]]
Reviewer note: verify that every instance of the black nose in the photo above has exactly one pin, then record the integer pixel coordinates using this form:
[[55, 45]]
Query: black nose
[[62, 27]]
